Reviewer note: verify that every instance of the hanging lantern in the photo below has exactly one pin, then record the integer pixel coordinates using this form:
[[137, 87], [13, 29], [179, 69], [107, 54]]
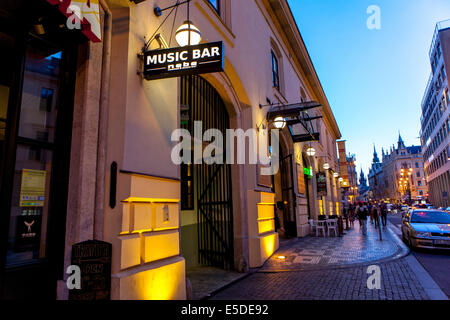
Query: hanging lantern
[[336, 175], [188, 30], [279, 123], [311, 152], [326, 166]]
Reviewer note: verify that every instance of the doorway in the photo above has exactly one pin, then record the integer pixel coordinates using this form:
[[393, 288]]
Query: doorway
[[206, 201], [285, 195], [36, 110]]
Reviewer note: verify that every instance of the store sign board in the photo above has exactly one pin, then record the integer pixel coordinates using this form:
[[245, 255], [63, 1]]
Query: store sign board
[[93, 257], [28, 233], [321, 184], [87, 12], [301, 179], [181, 61]]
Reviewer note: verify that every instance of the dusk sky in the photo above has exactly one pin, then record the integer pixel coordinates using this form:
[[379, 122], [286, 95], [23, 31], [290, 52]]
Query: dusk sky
[[373, 79]]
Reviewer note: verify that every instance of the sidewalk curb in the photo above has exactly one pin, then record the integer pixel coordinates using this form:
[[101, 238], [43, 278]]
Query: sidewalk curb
[[431, 288]]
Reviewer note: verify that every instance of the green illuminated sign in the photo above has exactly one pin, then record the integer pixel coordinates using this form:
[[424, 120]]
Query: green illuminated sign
[[308, 171]]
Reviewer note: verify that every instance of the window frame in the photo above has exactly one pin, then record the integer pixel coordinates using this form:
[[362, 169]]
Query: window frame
[[217, 7], [275, 63]]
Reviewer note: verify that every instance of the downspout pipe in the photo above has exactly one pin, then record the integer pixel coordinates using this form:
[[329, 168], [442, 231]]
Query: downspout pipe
[[99, 207]]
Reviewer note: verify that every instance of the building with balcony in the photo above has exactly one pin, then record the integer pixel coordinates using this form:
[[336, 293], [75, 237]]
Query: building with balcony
[[435, 119]]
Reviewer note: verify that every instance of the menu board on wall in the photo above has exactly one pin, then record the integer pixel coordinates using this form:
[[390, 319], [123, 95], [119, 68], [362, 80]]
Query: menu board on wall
[[321, 184], [301, 179]]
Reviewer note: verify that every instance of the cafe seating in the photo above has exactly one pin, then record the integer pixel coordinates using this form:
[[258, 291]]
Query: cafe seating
[[332, 225], [320, 226], [312, 225]]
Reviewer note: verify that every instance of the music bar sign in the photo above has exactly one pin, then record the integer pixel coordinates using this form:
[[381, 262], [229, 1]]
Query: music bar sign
[[181, 61]]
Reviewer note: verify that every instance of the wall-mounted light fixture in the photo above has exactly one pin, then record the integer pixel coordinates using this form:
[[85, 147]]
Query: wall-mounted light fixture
[[311, 152], [279, 123]]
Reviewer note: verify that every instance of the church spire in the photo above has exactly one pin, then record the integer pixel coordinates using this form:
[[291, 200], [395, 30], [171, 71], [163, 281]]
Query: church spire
[[375, 155], [401, 143]]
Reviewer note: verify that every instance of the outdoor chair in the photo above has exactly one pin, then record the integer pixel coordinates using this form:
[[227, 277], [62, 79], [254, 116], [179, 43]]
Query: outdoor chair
[[312, 225], [332, 226], [320, 226]]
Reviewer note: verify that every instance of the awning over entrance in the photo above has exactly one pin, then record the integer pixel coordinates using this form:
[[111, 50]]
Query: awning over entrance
[[298, 120]]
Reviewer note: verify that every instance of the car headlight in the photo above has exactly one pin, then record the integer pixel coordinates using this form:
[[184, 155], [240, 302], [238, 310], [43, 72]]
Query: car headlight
[[422, 234]]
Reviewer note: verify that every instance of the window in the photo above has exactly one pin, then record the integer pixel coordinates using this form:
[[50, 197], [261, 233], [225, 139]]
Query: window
[[418, 174], [419, 183], [215, 4], [46, 100], [275, 71]]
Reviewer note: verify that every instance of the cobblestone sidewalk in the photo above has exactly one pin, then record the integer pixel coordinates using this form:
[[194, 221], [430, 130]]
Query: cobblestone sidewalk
[[332, 269], [398, 282], [353, 248]]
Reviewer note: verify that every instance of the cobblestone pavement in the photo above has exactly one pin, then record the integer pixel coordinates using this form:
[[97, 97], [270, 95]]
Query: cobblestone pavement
[[332, 269], [398, 282], [353, 248]]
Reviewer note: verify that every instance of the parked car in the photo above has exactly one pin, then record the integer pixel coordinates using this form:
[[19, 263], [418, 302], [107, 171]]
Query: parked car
[[427, 229]]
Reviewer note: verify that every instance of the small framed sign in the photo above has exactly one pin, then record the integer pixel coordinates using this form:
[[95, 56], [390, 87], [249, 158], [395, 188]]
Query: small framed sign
[[181, 61]]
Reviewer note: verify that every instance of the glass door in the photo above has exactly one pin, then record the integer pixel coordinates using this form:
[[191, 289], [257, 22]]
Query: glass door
[[34, 155], [35, 173]]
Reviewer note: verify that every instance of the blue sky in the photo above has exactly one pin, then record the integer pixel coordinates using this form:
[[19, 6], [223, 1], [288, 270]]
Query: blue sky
[[373, 79]]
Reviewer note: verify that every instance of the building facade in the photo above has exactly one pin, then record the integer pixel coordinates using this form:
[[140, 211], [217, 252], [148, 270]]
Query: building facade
[[435, 120], [404, 174], [376, 177], [400, 176], [101, 168]]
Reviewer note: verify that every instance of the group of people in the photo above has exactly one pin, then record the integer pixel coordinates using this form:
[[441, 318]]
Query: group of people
[[363, 210]]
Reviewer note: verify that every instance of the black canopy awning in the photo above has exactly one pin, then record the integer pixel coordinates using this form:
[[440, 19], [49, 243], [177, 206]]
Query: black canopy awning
[[291, 110], [297, 114]]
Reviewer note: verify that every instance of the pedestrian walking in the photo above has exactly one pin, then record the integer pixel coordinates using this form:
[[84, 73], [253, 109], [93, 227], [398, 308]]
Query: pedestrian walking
[[376, 213], [384, 213], [362, 212], [369, 208]]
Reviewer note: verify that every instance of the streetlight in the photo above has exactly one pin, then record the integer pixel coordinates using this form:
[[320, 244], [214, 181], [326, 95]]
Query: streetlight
[[326, 166]]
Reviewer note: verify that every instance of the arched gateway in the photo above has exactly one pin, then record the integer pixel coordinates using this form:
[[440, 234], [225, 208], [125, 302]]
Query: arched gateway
[[205, 189]]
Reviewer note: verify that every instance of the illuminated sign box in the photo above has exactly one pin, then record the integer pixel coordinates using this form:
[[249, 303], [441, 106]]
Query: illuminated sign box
[[181, 61]]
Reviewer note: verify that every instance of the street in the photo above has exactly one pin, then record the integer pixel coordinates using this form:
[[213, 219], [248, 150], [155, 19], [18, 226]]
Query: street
[[437, 263], [316, 268]]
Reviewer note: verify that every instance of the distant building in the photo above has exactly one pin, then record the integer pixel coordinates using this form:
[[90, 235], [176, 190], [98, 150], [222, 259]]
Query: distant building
[[363, 188], [435, 118], [403, 173], [376, 177]]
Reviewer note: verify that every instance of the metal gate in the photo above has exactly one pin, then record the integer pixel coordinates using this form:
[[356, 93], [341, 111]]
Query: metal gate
[[212, 182], [289, 198]]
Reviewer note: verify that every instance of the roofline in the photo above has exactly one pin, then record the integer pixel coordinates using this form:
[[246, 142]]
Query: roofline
[[304, 59]]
